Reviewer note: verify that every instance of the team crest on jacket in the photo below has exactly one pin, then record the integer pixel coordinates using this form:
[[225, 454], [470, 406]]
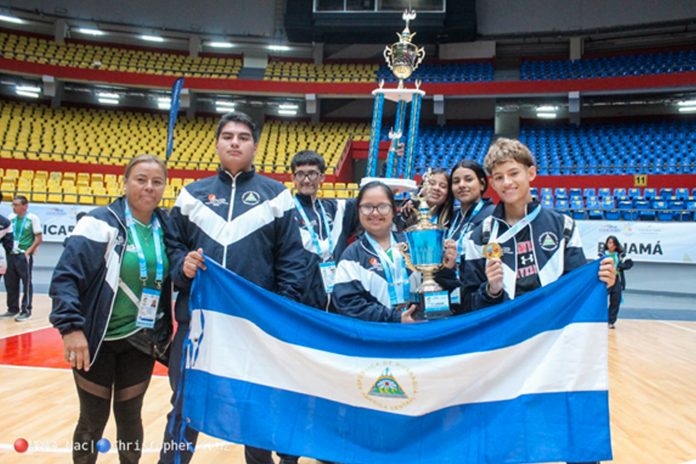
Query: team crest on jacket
[[251, 198], [548, 241], [388, 384]]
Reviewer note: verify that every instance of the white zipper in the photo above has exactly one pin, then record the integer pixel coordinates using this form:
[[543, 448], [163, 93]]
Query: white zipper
[[230, 211]]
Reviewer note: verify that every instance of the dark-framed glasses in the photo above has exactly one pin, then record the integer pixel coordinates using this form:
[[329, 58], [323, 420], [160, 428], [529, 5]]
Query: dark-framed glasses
[[383, 209], [311, 175]]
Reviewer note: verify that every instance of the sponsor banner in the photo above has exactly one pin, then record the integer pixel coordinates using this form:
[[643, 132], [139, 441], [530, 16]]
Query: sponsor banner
[[657, 242], [57, 221]]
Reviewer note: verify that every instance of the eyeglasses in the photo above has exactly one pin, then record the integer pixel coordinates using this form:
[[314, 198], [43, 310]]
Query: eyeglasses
[[383, 209], [311, 175]]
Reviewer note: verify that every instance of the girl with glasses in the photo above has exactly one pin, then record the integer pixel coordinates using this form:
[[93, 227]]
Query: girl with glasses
[[372, 281]]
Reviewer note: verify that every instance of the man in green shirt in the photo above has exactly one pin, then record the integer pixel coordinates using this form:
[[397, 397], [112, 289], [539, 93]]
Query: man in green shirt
[[27, 238]]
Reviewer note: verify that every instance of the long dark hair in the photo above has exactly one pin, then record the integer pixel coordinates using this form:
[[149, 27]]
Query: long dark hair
[[474, 166], [443, 211], [619, 248]]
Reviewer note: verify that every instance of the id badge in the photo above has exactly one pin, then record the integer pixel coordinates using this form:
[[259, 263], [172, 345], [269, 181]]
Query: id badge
[[147, 309], [456, 296], [328, 275]]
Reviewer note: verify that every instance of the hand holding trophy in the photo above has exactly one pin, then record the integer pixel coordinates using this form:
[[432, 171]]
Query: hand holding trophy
[[424, 253]]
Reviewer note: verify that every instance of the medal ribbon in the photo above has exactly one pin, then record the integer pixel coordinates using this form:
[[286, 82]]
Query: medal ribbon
[[512, 231], [400, 288], [312, 233]]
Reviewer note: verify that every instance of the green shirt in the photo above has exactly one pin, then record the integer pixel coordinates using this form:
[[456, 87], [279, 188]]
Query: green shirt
[[125, 312], [29, 225]]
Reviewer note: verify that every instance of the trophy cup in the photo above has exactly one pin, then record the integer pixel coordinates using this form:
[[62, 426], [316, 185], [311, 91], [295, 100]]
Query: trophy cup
[[424, 254], [403, 58]]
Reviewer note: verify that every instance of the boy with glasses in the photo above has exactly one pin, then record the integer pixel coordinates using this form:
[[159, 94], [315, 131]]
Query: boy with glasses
[[324, 224]]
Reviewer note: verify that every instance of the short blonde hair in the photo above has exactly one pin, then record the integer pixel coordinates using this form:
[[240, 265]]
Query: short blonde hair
[[504, 150], [145, 159]]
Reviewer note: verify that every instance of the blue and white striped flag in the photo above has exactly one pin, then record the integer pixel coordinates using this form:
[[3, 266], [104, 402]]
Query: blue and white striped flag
[[525, 381]]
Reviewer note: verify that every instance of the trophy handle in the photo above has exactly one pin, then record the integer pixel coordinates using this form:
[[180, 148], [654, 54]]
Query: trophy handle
[[403, 248]]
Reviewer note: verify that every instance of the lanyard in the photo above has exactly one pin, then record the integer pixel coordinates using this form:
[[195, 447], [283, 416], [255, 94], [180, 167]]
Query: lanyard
[[21, 228], [310, 229], [159, 273], [398, 289], [465, 228], [512, 231]]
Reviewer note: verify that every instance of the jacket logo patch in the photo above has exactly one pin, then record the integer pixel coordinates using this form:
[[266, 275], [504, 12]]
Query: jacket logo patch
[[251, 198], [215, 201], [548, 241]]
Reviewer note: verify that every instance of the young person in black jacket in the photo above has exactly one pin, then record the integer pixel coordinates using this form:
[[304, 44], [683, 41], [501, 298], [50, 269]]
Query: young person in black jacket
[[614, 250]]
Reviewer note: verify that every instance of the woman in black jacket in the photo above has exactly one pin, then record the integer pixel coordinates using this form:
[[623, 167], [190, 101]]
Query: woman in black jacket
[[112, 305], [614, 250]]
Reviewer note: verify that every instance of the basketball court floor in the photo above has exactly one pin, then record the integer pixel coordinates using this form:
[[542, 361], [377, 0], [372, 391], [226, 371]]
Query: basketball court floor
[[652, 373]]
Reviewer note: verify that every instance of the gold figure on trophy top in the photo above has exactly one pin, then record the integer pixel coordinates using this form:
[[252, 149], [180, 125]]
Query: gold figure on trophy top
[[404, 57]]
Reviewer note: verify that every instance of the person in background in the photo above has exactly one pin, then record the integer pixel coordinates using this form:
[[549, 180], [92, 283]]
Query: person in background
[[614, 250], [324, 224], [111, 297], [27, 235], [372, 280], [245, 222], [468, 185]]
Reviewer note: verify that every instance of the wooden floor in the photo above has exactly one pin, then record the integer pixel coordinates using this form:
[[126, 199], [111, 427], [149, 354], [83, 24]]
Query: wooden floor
[[652, 371]]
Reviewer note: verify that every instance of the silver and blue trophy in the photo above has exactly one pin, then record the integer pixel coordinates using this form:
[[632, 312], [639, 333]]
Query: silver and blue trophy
[[425, 239], [403, 58]]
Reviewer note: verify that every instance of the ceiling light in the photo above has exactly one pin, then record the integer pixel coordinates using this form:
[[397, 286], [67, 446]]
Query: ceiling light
[[546, 108], [108, 95], [288, 106], [152, 38], [220, 44], [225, 103], [223, 109], [687, 103], [28, 88], [164, 100], [11, 19], [688, 109], [24, 93], [278, 48], [546, 115], [89, 31], [108, 101], [287, 112]]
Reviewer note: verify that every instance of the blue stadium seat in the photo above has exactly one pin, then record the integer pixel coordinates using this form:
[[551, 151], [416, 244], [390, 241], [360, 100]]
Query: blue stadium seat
[[682, 193], [678, 208], [635, 192], [577, 208], [534, 192], [589, 192], [604, 192], [562, 205], [691, 209], [666, 193], [650, 193], [645, 211], [663, 211], [594, 208], [620, 192], [575, 193], [561, 192], [626, 208]]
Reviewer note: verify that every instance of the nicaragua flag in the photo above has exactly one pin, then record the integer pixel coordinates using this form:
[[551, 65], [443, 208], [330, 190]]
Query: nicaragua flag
[[524, 381]]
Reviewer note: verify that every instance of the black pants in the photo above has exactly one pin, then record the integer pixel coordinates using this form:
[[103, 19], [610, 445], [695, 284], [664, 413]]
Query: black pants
[[19, 269], [175, 419], [614, 302], [128, 371]]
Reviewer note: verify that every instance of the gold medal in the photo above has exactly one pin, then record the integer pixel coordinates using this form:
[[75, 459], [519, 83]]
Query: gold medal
[[492, 251]]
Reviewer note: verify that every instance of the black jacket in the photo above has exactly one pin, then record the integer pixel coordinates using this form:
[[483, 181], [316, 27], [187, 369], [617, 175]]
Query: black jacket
[[247, 224], [85, 280]]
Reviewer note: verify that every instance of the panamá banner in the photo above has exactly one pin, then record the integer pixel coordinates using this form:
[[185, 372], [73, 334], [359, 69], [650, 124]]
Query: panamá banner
[[524, 381], [658, 242], [57, 221]]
